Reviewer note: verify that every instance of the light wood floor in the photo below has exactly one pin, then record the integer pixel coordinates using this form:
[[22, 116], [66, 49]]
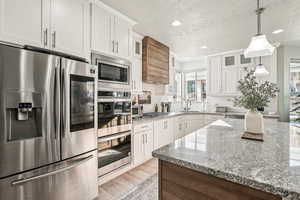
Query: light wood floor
[[124, 183]]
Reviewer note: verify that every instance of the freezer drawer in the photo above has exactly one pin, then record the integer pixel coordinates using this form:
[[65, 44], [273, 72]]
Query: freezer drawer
[[73, 179]]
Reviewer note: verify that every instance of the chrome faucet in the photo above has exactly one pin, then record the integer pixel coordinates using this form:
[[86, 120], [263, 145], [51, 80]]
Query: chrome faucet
[[188, 104]]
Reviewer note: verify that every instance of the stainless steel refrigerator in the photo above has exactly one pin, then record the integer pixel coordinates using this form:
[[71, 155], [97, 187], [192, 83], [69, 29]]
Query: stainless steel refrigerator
[[48, 122]]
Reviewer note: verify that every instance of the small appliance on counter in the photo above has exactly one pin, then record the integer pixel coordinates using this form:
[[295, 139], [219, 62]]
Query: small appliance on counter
[[222, 109], [144, 98], [165, 107], [137, 111]]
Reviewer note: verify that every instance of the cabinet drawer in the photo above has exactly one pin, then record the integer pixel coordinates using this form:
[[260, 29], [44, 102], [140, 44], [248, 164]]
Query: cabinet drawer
[[143, 127]]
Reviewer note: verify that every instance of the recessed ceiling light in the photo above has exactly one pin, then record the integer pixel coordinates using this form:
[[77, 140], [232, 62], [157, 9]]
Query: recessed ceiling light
[[278, 31], [204, 47], [176, 23]]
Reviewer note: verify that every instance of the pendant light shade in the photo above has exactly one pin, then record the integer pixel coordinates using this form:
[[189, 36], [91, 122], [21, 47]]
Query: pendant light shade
[[261, 71], [259, 46]]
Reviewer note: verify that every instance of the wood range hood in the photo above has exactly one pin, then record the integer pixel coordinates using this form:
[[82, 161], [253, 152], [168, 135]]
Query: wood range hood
[[155, 62]]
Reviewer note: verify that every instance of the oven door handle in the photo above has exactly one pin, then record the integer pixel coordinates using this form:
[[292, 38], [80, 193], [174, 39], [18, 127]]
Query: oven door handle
[[114, 100], [113, 137], [76, 164]]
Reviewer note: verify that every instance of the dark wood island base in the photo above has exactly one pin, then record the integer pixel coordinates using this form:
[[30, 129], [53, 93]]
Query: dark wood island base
[[180, 183]]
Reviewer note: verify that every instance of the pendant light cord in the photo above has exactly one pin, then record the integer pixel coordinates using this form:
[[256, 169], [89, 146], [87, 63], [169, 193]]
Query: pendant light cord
[[259, 11], [259, 60]]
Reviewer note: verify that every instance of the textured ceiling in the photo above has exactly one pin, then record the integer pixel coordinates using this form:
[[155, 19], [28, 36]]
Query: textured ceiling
[[221, 25]]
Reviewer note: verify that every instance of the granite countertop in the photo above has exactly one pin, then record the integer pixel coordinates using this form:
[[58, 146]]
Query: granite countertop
[[272, 166], [146, 119]]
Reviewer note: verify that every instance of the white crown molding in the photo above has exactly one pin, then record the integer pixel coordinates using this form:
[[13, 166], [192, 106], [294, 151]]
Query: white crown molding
[[115, 12], [137, 35]]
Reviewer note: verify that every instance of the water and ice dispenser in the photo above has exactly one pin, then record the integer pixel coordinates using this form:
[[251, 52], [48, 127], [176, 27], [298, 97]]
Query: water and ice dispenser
[[23, 115]]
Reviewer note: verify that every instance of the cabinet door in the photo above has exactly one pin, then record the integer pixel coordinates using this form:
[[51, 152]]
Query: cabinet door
[[137, 47], [102, 21], [215, 75], [138, 148], [170, 131], [122, 33], [137, 85], [148, 145], [230, 80], [23, 22], [158, 133], [70, 26], [179, 128]]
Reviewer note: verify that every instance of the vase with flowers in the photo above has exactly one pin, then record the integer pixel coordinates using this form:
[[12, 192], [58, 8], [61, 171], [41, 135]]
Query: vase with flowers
[[254, 96]]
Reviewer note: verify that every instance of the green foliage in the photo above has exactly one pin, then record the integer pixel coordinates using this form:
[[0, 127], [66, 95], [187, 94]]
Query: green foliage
[[254, 95]]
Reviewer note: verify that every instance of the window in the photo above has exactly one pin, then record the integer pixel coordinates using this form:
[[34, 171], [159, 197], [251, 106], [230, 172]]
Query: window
[[201, 86], [195, 86], [190, 86], [229, 60], [244, 60]]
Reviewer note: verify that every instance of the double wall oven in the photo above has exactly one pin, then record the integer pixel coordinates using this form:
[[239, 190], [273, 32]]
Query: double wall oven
[[114, 114]]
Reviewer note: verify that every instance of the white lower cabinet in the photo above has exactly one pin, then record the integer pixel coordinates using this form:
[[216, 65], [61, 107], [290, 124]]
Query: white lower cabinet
[[179, 127], [163, 132], [142, 143]]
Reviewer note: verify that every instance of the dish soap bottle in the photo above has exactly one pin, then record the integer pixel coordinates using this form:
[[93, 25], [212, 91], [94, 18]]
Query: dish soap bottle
[[156, 108]]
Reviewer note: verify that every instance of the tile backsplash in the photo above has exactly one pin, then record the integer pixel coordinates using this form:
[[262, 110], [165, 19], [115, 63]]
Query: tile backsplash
[[157, 96]]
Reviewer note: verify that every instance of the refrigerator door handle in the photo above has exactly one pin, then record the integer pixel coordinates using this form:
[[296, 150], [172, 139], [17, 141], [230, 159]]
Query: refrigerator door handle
[[76, 164], [56, 102], [63, 103]]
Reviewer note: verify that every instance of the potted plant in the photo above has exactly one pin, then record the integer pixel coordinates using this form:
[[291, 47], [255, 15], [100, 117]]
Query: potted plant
[[254, 96]]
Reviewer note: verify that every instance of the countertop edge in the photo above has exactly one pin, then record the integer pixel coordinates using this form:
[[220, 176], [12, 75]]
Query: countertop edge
[[176, 114], [284, 193]]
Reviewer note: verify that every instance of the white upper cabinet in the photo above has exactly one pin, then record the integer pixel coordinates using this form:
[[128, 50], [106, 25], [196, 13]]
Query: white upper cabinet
[[69, 30], [230, 80], [170, 89], [137, 82], [23, 22], [122, 39], [214, 75], [137, 65], [226, 69], [111, 31], [28, 23], [102, 21], [137, 46]]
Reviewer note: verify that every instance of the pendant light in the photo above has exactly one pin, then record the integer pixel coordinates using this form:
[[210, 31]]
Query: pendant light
[[261, 70], [259, 45]]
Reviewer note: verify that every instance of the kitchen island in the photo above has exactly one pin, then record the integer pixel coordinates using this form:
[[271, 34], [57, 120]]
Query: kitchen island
[[215, 163]]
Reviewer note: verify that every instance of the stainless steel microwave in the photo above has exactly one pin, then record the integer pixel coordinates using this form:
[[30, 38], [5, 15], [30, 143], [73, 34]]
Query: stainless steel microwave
[[112, 70]]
